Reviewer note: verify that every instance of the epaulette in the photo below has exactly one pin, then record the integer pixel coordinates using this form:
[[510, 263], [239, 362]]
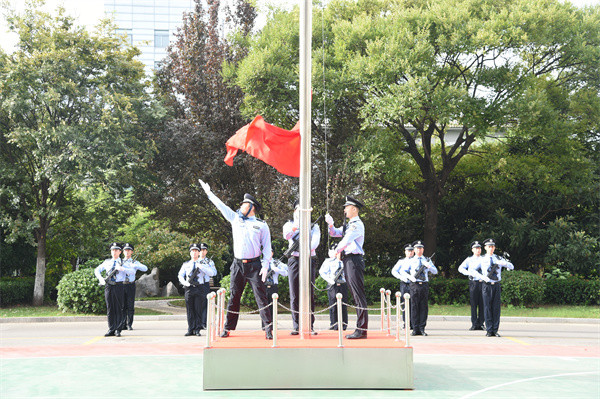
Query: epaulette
[[260, 220]]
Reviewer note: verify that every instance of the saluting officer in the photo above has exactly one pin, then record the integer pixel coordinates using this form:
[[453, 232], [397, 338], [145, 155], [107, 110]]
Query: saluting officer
[[250, 235], [409, 252], [417, 270], [131, 267], [475, 283], [291, 232], [332, 271], [192, 276], [350, 252], [489, 270], [113, 291]]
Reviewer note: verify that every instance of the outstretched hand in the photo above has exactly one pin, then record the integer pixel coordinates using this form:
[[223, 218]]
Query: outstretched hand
[[204, 186], [329, 220]]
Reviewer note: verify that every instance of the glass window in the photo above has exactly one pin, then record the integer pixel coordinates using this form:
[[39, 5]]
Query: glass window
[[161, 38]]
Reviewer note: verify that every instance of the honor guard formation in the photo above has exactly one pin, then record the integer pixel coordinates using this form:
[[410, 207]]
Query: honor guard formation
[[253, 263]]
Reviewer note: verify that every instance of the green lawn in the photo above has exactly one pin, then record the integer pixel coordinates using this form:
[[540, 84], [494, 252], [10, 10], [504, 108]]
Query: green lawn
[[52, 311]]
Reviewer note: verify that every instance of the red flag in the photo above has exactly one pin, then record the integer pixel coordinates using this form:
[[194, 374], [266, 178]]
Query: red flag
[[273, 145]]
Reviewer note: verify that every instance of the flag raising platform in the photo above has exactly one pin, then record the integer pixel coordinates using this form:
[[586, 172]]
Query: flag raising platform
[[246, 360]]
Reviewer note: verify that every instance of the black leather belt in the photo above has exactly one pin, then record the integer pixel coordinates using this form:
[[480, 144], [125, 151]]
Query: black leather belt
[[257, 259], [493, 282], [128, 282]]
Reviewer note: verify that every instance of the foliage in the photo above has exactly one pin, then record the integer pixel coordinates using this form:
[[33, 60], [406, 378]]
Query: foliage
[[572, 291], [74, 105], [80, 292], [522, 288], [17, 290], [449, 291], [410, 73]]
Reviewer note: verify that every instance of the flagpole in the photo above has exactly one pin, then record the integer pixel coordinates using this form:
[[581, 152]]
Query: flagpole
[[305, 164]]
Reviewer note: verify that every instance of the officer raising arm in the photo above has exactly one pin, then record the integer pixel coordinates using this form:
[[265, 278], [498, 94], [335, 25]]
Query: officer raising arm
[[350, 252], [250, 236]]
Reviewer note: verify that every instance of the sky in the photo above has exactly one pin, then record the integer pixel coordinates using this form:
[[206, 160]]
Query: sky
[[88, 12]]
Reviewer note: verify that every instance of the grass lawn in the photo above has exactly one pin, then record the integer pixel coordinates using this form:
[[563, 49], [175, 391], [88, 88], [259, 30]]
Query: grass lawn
[[52, 311]]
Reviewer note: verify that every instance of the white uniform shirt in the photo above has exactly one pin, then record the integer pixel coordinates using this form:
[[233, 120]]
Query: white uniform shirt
[[354, 237], [107, 266], [412, 266], [289, 234], [484, 266], [283, 270], [207, 270], [468, 265], [132, 266], [329, 268], [397, 267]]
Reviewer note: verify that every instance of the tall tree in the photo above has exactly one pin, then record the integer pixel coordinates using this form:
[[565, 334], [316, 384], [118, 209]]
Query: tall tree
[[71, 106], [415, 69]]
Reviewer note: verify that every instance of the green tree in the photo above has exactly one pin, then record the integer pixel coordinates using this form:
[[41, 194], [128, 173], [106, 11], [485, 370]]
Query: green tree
[[411, 70], [72, 105]]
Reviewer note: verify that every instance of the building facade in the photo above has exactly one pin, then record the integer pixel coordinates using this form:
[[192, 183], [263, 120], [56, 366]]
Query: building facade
[[149, 24]]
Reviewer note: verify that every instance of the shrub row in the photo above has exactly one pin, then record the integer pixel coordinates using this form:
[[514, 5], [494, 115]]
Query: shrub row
[[80, 292], [19, 290]]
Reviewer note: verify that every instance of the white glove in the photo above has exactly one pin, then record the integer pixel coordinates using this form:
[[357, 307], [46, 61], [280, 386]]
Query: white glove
[[263, 272], [275, 269], [186, 284], [486, 279], [102, 282], [329, 220], [120, 268], [204, 186], [412, 278]]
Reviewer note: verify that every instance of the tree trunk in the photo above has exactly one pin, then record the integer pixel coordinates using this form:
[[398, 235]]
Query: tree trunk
[[40, 268], [432, 202]]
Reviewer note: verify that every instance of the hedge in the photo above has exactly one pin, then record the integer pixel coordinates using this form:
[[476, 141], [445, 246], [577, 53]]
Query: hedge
[[19, 290], [80, 292], [522, 288], [572, 291]]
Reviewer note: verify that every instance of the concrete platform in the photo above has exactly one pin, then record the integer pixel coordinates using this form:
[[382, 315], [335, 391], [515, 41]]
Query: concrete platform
[[247, 361]]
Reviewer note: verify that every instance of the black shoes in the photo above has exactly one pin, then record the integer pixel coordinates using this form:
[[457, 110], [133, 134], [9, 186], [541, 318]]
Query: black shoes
[[110, 334], [198, 333], [224, 334], [117, 333], [497, 335], [313, 332], [269, 334], [129, 328], [416, 332], [188, 334], [473, 328], [490, 334], [294, 332], [357, 334]]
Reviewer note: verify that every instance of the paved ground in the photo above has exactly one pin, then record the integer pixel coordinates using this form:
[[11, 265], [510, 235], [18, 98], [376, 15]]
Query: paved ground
[[73, 359]]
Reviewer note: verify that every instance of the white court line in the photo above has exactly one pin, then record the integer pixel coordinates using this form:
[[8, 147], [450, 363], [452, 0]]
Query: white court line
[[525, 380]]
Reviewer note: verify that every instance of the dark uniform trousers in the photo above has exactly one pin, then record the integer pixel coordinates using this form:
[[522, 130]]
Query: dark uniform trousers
[[271, 289], [128, 304], [491, 306], [206, 290], [333, 312], [404, 289], [242, 273], [195, 303], [476, 299], [419, 305], [114, 296], [354, 269], [294, 281]]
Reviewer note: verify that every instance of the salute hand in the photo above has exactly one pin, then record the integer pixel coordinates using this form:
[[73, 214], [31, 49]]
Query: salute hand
[[204, 186]]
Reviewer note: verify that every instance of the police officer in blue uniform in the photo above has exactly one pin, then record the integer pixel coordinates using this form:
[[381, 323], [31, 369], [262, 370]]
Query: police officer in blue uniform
[[250, 237], [332, 271], [489, 270], [192, 276], [475, 284], [113, 291], [409, 252], [350, 251], [417, 270], [291, 232], [131, 267], [205, 260], [276, 269]]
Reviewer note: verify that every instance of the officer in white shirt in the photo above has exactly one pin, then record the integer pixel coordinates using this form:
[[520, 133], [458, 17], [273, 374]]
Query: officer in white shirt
[[475, 284], [276, 269], [409, 252], [193, 275], [113, 291], [332, 271], [417, 270], [291, 232], [350, 252], [131, 267], [204, 259], [489, 270], [251, 237]]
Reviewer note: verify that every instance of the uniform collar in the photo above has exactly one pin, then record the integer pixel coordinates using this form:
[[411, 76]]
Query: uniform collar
[[354, 219]]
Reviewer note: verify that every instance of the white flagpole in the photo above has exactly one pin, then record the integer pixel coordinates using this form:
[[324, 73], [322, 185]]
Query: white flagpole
[[305, 164]]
